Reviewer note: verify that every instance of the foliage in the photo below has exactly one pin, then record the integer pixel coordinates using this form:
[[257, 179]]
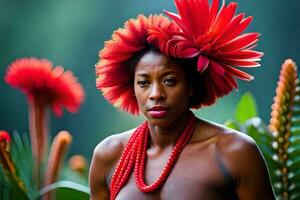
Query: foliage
[[280, 142], [67, 190], [22, 159]]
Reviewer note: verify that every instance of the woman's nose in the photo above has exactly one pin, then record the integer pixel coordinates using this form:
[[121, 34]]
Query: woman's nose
[[157, 92]]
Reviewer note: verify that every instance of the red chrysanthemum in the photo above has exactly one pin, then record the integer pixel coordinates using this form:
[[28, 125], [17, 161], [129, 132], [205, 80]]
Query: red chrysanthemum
[[215, 38], [37, 78], [4, 137], [113, 74]]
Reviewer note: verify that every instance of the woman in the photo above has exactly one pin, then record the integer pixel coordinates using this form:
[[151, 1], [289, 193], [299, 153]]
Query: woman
[[163, 69]]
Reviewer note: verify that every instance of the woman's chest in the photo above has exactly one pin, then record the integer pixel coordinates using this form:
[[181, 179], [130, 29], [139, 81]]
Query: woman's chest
[[191, 178]]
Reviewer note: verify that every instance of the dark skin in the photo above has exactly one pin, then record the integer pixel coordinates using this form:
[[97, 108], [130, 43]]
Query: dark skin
[[217, 163]]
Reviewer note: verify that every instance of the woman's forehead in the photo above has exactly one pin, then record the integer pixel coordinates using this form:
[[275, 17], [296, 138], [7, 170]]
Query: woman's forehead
[[155, 61]]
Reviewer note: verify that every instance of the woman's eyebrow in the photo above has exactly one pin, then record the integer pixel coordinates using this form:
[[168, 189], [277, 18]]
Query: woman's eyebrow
[[169, 72], [143, 74]]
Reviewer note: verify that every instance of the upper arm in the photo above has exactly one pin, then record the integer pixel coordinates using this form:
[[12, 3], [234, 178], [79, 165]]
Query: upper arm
[[247, 167], [97, 176], [106, 155]]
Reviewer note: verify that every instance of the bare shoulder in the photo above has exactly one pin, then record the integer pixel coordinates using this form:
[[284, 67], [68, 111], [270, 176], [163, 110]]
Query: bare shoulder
[[227, 141], [235, 143], [106, 155], [234, 148], [111, 148], [243, 160]]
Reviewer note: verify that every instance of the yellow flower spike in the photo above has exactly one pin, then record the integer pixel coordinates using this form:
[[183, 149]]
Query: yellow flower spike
[[59, 147], [78, 164], [281, 117]]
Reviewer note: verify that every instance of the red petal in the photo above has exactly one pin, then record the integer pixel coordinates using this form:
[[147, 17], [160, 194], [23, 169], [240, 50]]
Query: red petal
[[241, 63], [231, 80], [213, 11], [224, 17], [189, 52], [238, 73], [178, 20], [241, 42], [217, 67], [236, 27], [57, 110], [202, 63], [221, 86], [200, 17], [244, 54], [185, 12]]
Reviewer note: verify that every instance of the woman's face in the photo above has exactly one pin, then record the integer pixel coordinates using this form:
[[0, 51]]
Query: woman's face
[[161, 89]]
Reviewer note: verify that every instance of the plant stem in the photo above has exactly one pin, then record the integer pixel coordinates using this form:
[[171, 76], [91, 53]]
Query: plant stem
[[38, 133]]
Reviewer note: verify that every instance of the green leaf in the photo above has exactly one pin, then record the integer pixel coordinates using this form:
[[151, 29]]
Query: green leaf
[[67, 193], [294, 164], [295, 191], [294, 151], [9, 189], [4, 186], [232, 124], [71, 175], [294, 177], [295, 139], [246, 108], [295, 120], [22, 159], [68, 190]]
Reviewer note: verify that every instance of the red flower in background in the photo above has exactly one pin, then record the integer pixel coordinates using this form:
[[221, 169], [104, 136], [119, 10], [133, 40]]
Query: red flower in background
[[44, 86], [4, 136], [215, 38], [5, 157], [37, 78], [113, 74]]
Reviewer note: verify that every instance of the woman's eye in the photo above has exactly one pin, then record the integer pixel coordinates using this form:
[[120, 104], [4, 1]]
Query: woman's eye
[[142, 83], [170, 81]]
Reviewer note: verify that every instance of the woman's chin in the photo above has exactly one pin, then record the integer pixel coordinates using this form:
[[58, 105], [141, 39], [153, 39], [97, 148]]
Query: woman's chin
[[159, 121]]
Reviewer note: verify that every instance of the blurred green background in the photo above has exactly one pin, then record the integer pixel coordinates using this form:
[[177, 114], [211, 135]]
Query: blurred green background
[[71, 32]]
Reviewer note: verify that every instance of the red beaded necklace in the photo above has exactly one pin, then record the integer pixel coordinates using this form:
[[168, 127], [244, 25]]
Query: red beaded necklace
[[134, 158]]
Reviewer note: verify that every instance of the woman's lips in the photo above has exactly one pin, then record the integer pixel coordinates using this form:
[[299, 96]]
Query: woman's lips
[[158, 111]]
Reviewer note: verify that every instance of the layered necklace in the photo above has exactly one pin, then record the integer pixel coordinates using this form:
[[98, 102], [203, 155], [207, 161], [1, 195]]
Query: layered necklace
[[134, 158]]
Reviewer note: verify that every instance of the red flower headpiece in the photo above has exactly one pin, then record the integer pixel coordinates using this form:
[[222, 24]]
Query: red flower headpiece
[[37, 78], [212, 38], [215, 39], [113, 76]]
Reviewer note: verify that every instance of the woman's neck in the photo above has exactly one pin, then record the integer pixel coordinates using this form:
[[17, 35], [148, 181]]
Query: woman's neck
[[166, 136]]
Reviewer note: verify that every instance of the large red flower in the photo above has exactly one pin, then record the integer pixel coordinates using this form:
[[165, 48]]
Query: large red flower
[[215, 38], [37, 78], [113, 74]]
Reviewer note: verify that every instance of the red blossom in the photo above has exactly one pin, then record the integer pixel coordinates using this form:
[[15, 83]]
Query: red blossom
[[38, 78], [4, 136], [215, 38], [113, 74]]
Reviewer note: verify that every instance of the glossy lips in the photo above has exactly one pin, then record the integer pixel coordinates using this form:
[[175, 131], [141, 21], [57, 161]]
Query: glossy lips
[[158, 111]]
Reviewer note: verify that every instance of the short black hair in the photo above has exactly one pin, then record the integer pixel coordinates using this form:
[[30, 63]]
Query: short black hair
[[195, 80]]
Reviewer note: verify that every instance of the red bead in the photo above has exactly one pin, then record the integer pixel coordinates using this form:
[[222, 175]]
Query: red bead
[[134, 158]]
